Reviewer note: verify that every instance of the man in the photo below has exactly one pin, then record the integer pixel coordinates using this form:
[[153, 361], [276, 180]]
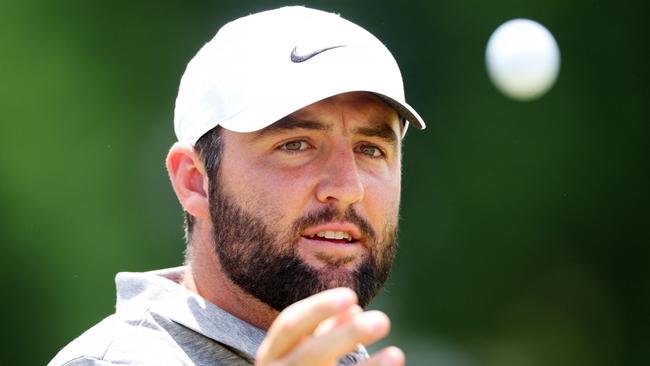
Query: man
[[288, 166]]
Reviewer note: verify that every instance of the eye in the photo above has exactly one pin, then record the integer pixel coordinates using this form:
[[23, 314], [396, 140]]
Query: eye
[[370, 150], [293, 146]]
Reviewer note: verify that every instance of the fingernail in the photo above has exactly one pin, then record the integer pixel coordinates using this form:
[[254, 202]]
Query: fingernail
[[387, 361], [372, 321], [356, 309], [344, 298], [392, 356]]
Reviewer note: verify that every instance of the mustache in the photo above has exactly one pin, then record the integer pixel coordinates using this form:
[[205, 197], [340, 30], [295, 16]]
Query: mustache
[[329, 214]]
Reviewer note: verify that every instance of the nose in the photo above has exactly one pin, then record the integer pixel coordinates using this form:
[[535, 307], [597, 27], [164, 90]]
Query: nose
[[340, 181]]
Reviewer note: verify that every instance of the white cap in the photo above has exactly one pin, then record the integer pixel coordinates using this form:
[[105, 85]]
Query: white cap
[[263, 67]]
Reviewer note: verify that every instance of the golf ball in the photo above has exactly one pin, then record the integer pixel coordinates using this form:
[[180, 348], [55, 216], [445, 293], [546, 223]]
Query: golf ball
[[523, 59]]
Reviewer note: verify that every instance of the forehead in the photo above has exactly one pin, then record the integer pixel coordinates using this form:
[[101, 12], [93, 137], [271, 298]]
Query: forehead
[[356, 111], [363, 105]]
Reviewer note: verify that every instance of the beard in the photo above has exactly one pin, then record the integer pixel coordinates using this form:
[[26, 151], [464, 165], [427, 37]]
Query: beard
[[266, 263]]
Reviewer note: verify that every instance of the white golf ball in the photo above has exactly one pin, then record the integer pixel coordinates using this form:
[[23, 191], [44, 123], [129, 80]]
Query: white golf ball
[[523, 59]]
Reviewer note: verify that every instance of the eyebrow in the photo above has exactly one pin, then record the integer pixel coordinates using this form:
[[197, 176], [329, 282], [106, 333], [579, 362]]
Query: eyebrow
[[292, 123], [381, 130]]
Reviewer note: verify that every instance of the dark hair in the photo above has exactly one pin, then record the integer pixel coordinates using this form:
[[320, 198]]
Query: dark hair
[[209, 147]]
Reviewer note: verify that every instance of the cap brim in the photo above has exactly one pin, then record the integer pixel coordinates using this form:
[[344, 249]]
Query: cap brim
[[269, 111], [405, 111]]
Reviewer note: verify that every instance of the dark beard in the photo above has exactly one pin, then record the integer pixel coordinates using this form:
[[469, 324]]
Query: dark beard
[[269, 268]]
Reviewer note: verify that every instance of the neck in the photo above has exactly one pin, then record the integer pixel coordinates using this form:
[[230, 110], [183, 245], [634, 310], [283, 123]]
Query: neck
[[204, 275]]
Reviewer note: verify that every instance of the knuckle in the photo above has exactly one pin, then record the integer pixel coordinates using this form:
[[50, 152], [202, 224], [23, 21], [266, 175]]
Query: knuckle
[[308, 356], [288, 323], [358, 329]]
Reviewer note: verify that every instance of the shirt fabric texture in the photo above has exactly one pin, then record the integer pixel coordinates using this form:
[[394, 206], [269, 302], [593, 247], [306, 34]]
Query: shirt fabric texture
[[158, 321]]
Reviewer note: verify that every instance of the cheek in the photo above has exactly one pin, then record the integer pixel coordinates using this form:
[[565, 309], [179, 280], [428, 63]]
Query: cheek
[[279, 195], [383, 200]]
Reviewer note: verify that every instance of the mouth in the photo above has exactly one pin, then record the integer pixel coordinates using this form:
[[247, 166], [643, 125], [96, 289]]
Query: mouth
[[334, 244], [336, 233], [338, 237]]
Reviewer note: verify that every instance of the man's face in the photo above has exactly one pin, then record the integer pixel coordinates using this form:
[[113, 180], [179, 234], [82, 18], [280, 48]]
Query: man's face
[[310, 202]]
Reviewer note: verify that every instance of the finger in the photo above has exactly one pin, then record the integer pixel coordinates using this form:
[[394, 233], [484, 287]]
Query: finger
[[365, 328], [335, 321], [389, 356], [301, 318]]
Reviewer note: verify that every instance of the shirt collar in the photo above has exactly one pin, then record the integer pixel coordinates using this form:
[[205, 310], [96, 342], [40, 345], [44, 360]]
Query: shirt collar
[[161, 292]]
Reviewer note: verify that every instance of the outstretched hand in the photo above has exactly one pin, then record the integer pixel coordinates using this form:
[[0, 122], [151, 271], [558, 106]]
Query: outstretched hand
[[321, 329]]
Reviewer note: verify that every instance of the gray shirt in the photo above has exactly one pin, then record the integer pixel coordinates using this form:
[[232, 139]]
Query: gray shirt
[[157, 321]]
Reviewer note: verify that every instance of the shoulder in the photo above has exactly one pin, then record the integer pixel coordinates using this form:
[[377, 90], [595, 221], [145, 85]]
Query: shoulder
[[150, 339], [85, 361], [122, 341]]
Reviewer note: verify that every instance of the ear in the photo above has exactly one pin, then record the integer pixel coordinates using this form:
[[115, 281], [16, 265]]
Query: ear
[[189, 179]]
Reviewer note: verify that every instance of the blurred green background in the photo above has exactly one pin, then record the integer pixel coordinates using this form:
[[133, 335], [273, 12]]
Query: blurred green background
[[524, 237]]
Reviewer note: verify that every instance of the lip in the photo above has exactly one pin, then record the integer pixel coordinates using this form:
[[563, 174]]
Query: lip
[[313, 249], [345, 227]]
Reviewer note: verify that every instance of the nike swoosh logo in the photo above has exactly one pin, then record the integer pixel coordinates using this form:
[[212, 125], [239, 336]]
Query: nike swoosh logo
[[296, 58]]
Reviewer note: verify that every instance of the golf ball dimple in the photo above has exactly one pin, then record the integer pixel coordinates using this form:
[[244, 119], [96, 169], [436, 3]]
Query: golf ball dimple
[[523, 59]]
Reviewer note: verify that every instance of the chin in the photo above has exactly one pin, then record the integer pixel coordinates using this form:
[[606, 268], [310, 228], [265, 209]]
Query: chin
[[337, 276]]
